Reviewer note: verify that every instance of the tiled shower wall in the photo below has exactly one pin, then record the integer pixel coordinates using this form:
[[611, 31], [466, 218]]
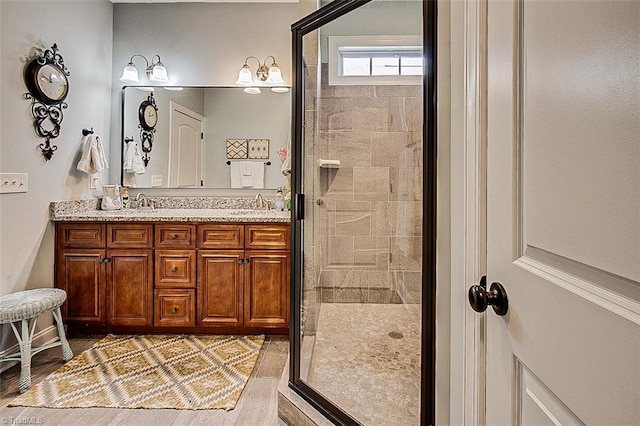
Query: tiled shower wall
[[371, 216], [367, 215]]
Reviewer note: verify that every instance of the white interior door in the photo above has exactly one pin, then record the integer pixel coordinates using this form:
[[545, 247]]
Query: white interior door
[[563, 212], [185, 165]]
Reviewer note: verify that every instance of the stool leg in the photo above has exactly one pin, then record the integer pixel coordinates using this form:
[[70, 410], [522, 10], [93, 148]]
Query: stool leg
[[67, 354], [25, 357]]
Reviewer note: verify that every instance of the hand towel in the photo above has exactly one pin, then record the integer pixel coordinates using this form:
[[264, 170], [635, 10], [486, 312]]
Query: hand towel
[[247, 174], [133, 159], [93, 158]]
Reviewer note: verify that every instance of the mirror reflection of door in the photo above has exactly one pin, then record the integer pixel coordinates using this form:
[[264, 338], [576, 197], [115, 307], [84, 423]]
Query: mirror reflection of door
[[185, 148]]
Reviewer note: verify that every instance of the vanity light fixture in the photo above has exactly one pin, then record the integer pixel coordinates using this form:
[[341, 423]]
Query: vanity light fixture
[[265, 76], [156, 71]]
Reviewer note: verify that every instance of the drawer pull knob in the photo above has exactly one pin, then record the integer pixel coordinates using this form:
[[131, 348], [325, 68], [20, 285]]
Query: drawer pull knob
[[174, 310], [246, 261], [106, 260], [174, 269], [240, 261], [174, 236]]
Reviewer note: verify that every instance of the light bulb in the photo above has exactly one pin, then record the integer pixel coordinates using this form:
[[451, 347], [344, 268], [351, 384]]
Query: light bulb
[[252, 90], [280, 89]]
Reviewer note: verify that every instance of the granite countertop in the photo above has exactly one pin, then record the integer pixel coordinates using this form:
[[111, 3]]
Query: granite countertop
[[86, 210]]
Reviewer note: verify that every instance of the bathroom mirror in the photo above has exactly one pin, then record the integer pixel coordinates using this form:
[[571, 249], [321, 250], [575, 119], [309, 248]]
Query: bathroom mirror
[[191, 136]]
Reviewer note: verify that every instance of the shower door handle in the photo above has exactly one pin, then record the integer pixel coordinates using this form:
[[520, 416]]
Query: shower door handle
[[298, 206]]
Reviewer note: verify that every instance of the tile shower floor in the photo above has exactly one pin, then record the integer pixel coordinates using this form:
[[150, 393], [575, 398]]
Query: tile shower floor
[[366, 359]]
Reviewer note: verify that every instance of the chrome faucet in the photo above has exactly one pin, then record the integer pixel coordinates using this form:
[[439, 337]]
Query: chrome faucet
[[259, 201], [142, 202]]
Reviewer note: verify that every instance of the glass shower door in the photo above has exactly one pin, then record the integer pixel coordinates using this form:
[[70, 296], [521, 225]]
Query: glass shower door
[[359, 155]]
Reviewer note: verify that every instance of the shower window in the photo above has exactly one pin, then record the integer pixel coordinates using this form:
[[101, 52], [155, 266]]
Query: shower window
[[361, 252], [375, 60]]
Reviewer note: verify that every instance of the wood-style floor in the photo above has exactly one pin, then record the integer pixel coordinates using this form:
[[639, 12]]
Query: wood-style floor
[[258, 404]]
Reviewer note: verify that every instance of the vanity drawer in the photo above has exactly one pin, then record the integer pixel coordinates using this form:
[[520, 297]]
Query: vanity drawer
[[267, 237], [175, 236], [81, 235], [129, 235], [174, 308], [220, 236], [175, 268]]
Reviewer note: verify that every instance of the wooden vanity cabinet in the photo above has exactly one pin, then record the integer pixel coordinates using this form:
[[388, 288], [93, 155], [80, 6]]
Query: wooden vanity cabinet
[[145, 277], [107, 272], [248, 287]]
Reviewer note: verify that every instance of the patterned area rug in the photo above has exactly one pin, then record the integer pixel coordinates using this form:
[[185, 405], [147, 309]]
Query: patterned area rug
[[179, 372]]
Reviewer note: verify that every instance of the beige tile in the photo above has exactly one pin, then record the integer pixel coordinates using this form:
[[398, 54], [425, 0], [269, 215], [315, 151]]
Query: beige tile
[[351, 148], [336, 115], [406, 184], [363, 279], [412, 288], [371, 252], [389, 218], [413, 149], [354, 92], [406, 253], [413, 111], [391, 91], [388, 149], [413, 218], [370, 115], [370, 184], [336, 184], [397, 115], [337, 251], [352, 218]]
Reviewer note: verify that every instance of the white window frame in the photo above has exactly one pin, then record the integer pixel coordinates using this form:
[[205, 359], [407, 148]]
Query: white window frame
[[336, 42]]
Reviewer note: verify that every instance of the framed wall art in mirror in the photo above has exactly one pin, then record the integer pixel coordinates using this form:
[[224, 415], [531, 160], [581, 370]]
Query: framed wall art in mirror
[[192, 127]]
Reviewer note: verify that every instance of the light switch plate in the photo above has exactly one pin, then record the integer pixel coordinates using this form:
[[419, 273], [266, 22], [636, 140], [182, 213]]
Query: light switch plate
[[156, 180], [13, 182]]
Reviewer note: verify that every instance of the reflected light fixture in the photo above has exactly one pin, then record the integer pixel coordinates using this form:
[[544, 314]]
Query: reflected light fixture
[[265, 76], [156, 71]]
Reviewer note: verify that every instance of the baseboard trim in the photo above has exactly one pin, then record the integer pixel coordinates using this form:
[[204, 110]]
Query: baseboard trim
[[42, 337]]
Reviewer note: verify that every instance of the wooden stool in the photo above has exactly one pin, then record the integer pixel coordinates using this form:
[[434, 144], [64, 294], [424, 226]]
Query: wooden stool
[[22, 307]]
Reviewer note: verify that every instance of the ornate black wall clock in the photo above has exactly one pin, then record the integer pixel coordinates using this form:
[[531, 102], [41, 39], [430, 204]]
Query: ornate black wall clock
[[148, 118], [46, 78]]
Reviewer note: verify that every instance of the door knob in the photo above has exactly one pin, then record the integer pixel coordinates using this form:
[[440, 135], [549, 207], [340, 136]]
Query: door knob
[[496, 297]]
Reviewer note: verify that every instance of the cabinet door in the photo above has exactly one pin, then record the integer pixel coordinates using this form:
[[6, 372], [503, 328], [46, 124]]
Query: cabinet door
[[266, 289], [82, 275], [129, 287], [220, 287]]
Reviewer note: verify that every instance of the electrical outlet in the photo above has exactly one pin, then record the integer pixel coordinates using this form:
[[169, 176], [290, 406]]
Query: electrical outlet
[[93, 182], [13, 182], [156, 180]]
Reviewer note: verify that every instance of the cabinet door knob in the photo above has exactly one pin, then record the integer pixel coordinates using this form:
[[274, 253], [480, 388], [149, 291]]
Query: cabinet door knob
[[240, 261], [246, 261], [174, 310], [106, 260], [174, 269], [174, 236]]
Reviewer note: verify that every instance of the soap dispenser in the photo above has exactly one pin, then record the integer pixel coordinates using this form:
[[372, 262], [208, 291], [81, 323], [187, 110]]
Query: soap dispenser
[[279, 200]]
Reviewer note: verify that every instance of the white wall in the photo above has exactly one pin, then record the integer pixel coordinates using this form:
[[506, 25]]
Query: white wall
[[201, 44], [83, 32]]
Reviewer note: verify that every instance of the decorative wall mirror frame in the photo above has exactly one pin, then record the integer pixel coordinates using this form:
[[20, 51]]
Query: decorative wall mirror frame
[[46, 78]]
